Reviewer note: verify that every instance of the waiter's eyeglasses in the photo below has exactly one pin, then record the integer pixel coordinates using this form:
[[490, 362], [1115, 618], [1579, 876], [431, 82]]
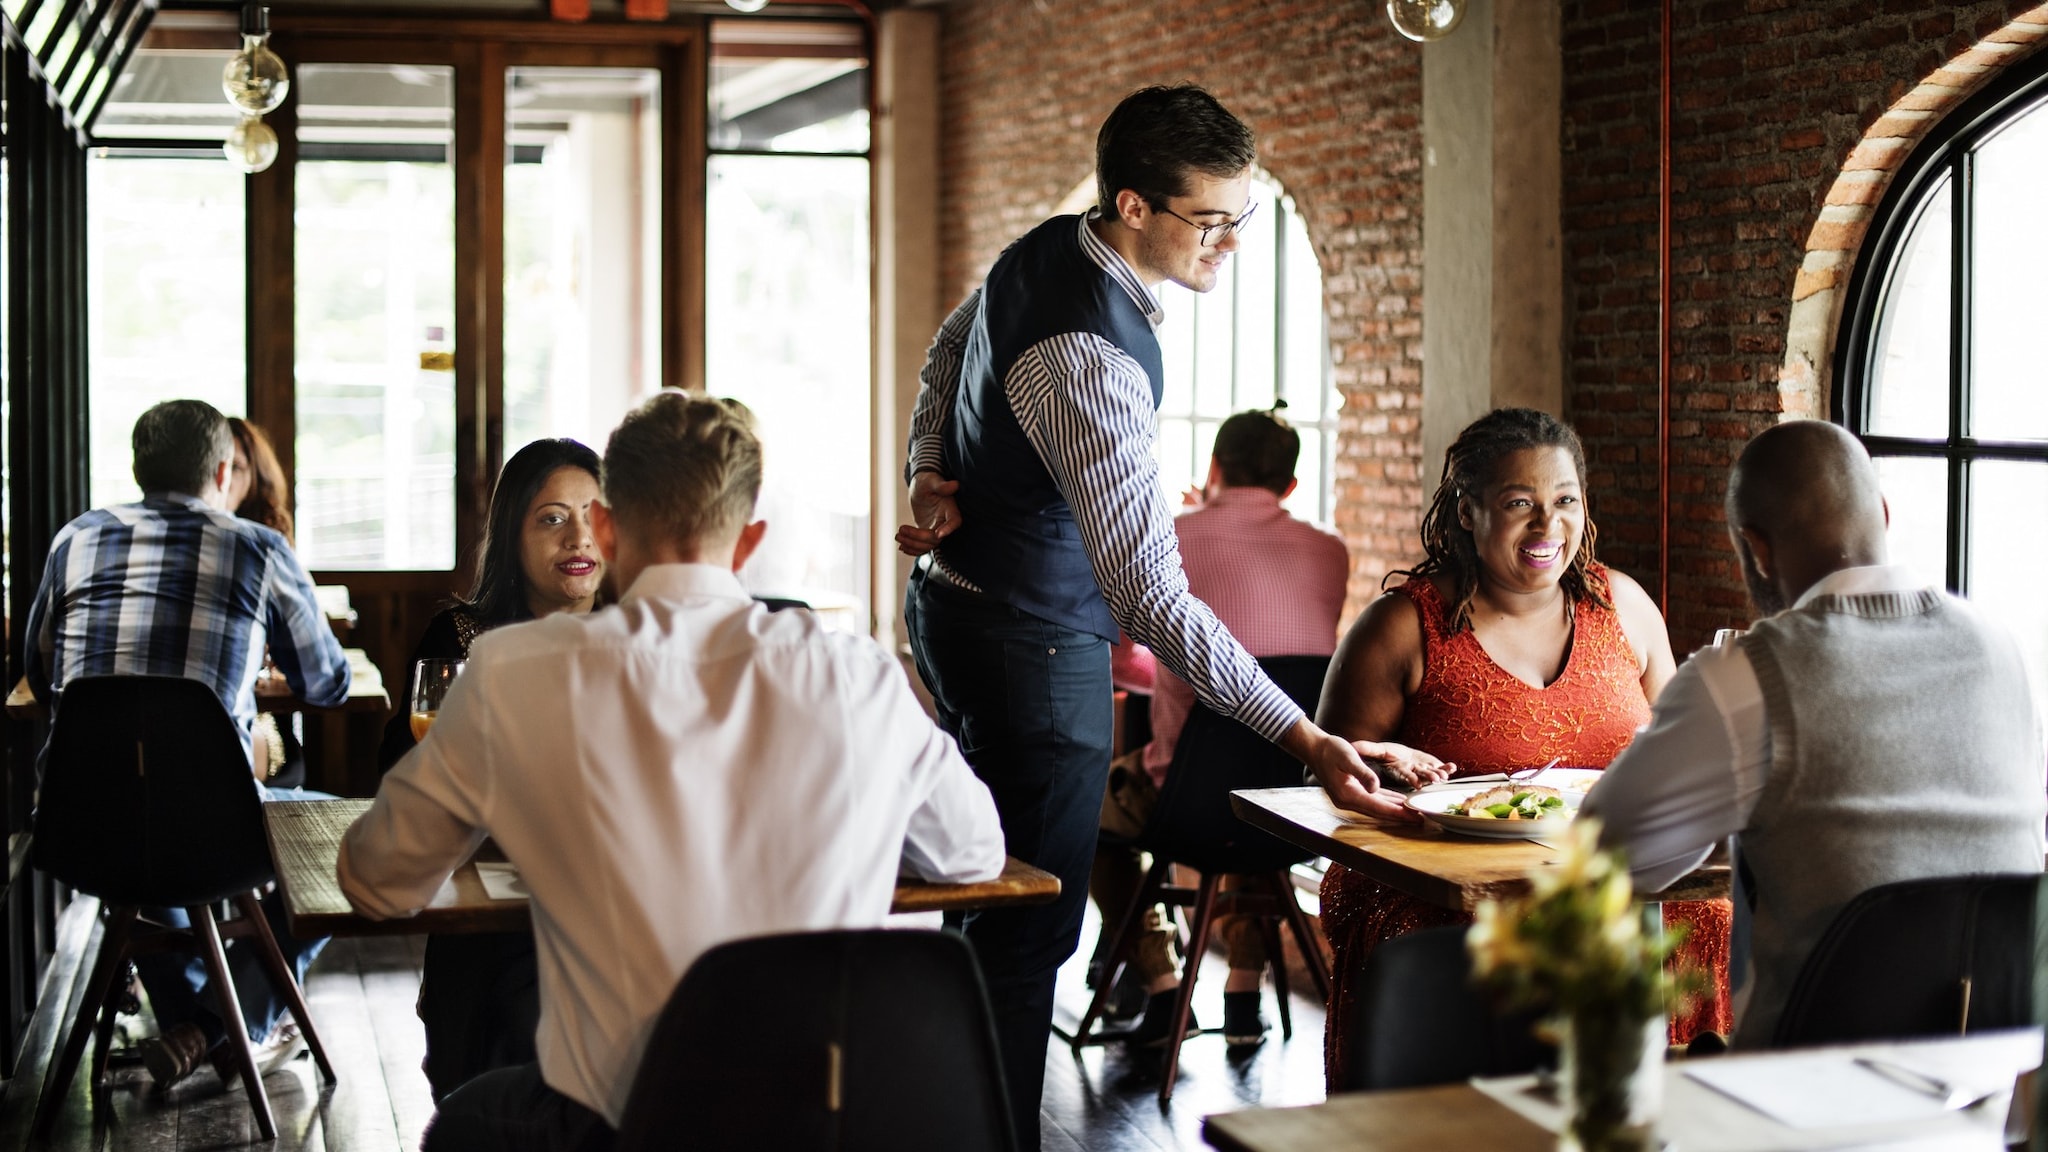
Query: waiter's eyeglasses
[[1214, 234]]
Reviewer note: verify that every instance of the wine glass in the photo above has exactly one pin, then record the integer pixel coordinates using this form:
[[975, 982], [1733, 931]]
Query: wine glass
[[430, 682]]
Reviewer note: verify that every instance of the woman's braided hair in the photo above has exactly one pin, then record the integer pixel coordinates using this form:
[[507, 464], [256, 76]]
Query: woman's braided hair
[[1470, 467]]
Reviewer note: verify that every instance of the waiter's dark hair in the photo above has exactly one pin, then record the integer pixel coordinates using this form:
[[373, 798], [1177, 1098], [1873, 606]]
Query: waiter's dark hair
[[178, 444], [1156, 136], [1471, 465], [1257, 449]]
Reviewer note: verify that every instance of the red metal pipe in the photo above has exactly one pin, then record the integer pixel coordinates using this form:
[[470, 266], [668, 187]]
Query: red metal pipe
[[1664, 316]]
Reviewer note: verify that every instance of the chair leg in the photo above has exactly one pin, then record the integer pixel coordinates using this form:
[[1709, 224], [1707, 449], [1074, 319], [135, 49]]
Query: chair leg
[[1276, 959], [230, 1009], [1205, 915], [1311, 952], [113, 953], [282, 979], [1126, 938]]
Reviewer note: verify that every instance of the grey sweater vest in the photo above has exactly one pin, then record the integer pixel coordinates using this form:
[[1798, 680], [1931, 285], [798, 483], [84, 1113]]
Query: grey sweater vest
[[1904, 745]]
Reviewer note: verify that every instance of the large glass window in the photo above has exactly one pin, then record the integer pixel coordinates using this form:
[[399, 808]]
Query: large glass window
[[582, 249], [1942, 373], [1256, 338], [165, 312], [375, 294], [787, 294]]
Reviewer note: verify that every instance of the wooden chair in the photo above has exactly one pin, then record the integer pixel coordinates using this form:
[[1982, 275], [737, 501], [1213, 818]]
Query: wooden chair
[[147, 801], [852, 1041], [1194, 826], [1936, 957]]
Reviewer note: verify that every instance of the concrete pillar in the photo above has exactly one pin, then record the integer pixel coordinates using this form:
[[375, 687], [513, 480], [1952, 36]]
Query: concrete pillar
[[1493, 264], [908, 311]]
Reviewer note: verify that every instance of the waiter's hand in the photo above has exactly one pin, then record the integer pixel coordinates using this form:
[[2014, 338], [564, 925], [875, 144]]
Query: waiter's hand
[[936, 513], [1345, 770]]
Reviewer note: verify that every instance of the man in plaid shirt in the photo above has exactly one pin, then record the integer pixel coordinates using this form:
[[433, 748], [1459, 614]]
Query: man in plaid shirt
[[178, 586]]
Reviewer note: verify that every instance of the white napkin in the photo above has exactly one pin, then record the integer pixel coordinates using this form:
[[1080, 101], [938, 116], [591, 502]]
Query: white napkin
[[501, 881]]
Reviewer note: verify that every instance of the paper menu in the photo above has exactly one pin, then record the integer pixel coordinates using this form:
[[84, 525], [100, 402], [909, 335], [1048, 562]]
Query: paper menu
[[1816, 1090]]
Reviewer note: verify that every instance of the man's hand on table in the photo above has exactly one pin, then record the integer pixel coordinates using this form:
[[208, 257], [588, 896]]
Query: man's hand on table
[[1349, 770], [934, 510]]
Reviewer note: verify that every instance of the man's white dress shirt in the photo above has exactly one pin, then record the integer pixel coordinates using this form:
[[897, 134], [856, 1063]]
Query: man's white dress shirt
[[669, 774], [1692, 778]]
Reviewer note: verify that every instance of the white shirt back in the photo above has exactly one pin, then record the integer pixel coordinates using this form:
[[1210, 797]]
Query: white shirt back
[[668, 774]]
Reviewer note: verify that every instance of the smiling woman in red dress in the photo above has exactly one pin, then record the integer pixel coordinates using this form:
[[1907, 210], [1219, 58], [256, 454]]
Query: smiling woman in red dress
[[1507, 647]]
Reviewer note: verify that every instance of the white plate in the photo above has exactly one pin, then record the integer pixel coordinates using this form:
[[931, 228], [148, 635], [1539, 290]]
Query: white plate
[[1571, 783]]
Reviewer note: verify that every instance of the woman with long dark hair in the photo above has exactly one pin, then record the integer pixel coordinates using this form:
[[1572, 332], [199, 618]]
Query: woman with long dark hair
[[479, 994], [256, 487], [1507, 646]]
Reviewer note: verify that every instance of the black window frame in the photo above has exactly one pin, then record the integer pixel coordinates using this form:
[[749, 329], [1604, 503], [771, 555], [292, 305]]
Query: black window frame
[[1948, 155]]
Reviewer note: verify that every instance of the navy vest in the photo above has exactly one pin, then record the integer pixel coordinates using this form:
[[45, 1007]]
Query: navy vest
[[1017, 539]]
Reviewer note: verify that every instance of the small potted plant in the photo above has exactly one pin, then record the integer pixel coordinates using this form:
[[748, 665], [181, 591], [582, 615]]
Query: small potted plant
[[1575, 948]]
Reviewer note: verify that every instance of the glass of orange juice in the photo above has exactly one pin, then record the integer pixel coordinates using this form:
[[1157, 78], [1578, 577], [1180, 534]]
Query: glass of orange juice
[[430, 683]]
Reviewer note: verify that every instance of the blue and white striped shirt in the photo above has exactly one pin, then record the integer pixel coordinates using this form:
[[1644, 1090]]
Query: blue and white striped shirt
[[174, 587], [1086, 407]]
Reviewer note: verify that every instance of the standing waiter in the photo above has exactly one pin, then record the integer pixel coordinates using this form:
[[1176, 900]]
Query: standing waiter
[[1033, 484]]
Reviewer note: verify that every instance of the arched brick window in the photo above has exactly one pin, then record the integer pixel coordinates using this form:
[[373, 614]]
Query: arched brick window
[[1942, 353]]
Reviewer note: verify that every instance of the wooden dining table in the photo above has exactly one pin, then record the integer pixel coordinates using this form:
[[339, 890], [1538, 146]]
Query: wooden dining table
[[305, 841], [1443, 868], [1523, 1114]]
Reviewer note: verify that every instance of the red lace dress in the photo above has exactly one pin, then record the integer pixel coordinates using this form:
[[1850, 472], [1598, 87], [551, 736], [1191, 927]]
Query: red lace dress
[[1470, 711]]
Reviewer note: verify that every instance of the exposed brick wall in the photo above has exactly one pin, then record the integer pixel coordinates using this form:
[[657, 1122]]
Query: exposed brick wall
[[1336, 98], [1771, 97]]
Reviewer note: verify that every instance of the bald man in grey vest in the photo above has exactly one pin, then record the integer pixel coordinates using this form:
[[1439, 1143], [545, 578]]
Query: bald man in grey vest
[[1867, 729]]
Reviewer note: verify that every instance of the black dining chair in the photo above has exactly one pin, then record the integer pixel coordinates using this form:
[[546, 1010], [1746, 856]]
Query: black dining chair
[[147, 801], [1936, 957], [1416, 1020], [1193, 825], [848, 1041]]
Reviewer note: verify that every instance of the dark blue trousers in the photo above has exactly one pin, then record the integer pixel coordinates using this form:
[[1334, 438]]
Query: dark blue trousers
[[1029, 702]]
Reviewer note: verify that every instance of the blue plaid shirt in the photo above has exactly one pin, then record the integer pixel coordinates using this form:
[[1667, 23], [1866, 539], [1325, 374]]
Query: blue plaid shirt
[[173, 587]]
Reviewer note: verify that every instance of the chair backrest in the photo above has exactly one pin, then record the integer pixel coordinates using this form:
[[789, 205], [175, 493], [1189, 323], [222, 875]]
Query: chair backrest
[[1416, 1019], [147, 796], [1192, 823], [853, 1041], [1893, 965]]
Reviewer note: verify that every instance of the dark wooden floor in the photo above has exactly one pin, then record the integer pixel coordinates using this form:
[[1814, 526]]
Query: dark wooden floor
[[361, 993]]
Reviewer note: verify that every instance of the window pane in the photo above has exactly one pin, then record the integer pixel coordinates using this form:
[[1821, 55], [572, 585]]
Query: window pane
[[376, 316], [2008, 555], [168, 95], [1307, 387], [1256, 280], [2010, 298], [1916, 491], [582, 250], [787, 296], [788, 86], [1909, 375], [1215, 345], [1176, 453], [165, 316]]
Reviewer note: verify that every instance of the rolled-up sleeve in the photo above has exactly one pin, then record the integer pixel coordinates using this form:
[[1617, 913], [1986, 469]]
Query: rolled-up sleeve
[[938, 384]]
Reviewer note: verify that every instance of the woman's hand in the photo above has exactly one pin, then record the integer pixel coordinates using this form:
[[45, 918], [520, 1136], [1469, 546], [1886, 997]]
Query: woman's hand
[[1412, 767]]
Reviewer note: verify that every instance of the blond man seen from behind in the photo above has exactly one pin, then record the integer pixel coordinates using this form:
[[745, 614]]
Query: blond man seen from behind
[[673, 772]]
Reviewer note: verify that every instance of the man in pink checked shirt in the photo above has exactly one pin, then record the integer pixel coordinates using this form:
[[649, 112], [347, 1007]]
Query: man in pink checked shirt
[[1277, 583]]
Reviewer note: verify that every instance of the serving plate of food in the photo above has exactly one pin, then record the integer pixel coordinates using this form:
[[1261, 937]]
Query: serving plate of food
[[1537, 806]]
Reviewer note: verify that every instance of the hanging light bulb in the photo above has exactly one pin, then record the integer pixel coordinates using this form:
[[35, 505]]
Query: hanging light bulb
[[1425, 20], [747, 5], [252, 146], [255, 80]]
